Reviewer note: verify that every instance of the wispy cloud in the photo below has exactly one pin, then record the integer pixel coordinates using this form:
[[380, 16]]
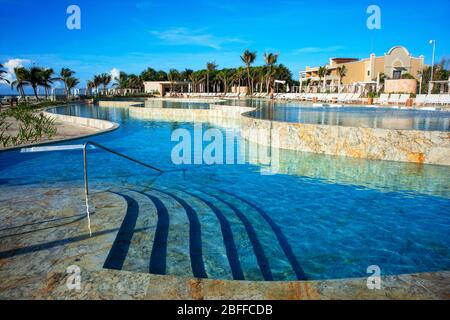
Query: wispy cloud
[[115, 73], [185, 36], [11, 64], [318, 49]]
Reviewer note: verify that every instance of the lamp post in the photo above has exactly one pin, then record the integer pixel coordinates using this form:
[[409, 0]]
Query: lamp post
[[430, 84]]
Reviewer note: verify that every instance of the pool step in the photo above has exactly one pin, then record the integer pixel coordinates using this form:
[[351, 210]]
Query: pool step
[[274, 254], [134, 241], [200, 232]]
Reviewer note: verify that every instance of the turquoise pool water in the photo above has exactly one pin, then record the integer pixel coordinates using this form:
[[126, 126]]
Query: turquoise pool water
[[367, 117], [320, 217]]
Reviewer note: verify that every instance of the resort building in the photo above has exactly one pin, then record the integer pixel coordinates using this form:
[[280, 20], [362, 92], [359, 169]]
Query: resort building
[[161, 87], [393, 65]]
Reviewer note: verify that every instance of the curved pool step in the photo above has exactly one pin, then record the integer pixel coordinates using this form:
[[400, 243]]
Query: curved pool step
[[171, 253], [134, 242], [281, 262], [205, 218], [204, 233], [238, 244]]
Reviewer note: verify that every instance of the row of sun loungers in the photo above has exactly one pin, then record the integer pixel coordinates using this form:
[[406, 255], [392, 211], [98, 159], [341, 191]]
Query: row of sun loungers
[[217, 94], [421, 99], [393, 98], [322, 97], [384, 99]]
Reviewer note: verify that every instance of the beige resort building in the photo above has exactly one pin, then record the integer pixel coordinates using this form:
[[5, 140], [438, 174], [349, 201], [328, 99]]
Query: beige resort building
[[395, 63]]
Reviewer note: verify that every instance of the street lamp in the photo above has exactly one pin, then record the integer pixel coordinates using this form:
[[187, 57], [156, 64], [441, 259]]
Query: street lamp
[[430, 84]]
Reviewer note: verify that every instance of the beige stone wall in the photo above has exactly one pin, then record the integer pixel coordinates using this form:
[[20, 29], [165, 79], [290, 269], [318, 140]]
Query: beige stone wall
[[400, 86], [117, 104], [431, 147]]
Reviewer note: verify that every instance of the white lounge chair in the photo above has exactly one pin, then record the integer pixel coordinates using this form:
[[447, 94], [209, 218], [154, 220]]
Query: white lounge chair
[[394, 98], [343, 97], [353, 98], [420, 99], [384, 98], [403, 98], [432, 99], [445, 99]]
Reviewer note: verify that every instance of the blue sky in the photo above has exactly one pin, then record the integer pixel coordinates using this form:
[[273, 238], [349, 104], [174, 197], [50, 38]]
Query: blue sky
[[132, 35]]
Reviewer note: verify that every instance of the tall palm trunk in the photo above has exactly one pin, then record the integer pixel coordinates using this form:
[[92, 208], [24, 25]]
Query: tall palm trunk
[[35, 92], [250, 89]]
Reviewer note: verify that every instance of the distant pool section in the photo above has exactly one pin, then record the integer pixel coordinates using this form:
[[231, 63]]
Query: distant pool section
[[347, 116], [363, 117]]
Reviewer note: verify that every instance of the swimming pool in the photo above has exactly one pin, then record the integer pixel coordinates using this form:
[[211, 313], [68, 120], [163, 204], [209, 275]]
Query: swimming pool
[[353, 116], [366, 117], [320, 217]]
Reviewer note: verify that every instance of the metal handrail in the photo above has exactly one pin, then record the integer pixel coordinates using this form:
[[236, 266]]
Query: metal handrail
[[86, 183]]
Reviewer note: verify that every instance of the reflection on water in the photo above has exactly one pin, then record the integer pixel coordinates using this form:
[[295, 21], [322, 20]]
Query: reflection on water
[[385, 118], [388, 176]]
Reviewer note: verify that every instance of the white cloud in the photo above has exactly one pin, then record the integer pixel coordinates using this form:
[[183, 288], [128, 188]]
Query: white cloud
[[11, 64], [115, 74], [318, 49], [184, 36]]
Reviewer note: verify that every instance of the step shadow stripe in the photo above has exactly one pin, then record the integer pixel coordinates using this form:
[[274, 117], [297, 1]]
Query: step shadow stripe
[[261, 257], [285, 246], [230, 246], [195, 237], [158, 257], [119, 250]]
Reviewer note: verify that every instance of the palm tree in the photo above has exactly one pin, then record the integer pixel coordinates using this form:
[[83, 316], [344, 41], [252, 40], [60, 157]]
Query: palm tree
[[173, 76], [210, 67], [48, 79], [271, 60], [196, 78], [122, 81], [66, 74], [105, 80], [2, 73], [238, 75], [186, 74], [21, 81], [71, 83], [342, 72], [225, 77], [35, 79], [97, 82], [323, 72], [135, 82], [248, 58]]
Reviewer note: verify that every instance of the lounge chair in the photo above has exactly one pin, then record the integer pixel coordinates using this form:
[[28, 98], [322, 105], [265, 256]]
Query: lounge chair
[[403, 98], [445, 99], [394, 98], [343, 97], [384, 98], [432, 99], [420, 99], [355, 97]]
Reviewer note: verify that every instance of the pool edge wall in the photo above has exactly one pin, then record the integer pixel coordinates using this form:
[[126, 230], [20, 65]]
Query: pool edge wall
[[426, 147], [415, 146]]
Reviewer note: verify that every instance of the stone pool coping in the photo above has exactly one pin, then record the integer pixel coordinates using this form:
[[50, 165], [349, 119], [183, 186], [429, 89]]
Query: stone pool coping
[[102, 126]]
